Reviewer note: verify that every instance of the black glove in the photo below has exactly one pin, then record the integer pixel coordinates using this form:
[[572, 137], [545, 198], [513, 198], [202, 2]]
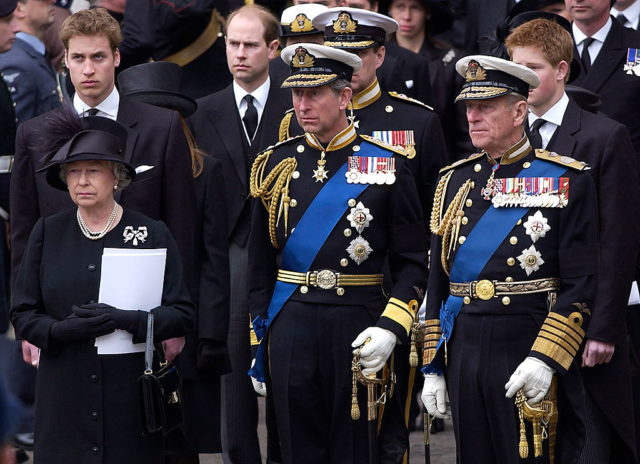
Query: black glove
[[125, 320], [75, 329]]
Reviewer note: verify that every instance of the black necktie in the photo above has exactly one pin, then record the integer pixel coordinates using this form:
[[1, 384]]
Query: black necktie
[[92, 111], [585, 57], [250, 118], [623, 19], [534, 133]]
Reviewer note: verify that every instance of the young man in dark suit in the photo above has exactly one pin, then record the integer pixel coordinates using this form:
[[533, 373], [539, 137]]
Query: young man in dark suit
[[233, 125], [609, 62], [559, 125], [156, 145]]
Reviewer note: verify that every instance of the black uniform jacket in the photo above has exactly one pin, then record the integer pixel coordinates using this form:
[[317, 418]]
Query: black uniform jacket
[[605, 145], [219, 132], [395, 231], [619, 91], [406, 72], [88, 407], [567, 251], [162, 191], [376, 110]]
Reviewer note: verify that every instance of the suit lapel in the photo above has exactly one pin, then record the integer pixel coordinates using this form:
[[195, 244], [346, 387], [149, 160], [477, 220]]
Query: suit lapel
[[127, 117], [610, 59], [563, 141], [226, 120]]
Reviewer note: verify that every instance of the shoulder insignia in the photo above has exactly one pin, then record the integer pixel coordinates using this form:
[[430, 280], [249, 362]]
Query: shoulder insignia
[[285, 123], [396, 149], [281, 143], [462, 161], [563, 160], [401, 96]]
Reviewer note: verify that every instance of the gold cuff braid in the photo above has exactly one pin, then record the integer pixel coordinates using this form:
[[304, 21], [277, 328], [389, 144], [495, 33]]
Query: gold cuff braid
[[273, 189], [560, 338], [432, 334]]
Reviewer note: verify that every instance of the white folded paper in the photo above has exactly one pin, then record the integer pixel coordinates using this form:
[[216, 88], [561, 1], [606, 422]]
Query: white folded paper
[[131, 279]]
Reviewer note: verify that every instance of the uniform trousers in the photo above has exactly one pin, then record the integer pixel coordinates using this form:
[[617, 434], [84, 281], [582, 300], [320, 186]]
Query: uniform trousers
[[482, 354], [240, 442], [310, 354]]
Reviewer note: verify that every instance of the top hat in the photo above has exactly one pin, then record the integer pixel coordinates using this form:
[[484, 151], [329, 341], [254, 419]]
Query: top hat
[[313, 65], [297, 20], [158, 84], [354, 28]]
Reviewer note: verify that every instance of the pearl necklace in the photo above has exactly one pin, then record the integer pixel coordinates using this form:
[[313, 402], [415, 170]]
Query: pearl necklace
[[98, 235]]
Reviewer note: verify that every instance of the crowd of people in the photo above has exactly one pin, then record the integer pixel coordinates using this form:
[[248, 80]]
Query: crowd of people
[[351, 202]]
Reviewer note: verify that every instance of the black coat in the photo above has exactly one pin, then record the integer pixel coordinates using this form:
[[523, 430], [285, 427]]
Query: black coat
[[406, 72], [619, 91], [606, 146], [164, 192], [87, 405], [217, 128]]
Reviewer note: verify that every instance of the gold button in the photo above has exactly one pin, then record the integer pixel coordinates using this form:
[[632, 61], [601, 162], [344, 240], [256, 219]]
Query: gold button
[[344, 262], [293, 202], [340, 291], [466, 300], [519, 222], [347, 232], [506, 300], [351, 202], [300, 148], [304, 289], [526, 164], [513, 240], [509, 279], [465, 220], [356, 148], [295, 174], [462, 239], [469, 202], [477, 168], [388, 109], [511, 261]]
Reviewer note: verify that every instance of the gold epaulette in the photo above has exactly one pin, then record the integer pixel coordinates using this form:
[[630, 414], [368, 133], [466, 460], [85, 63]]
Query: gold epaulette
[[560, 338], [394, 148], [285, 123], [462, 161], [563, 160], [432, 335], [401, 312], [401, 96]]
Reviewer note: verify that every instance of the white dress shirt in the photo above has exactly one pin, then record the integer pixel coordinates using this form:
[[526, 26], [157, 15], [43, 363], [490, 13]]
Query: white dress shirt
[[553, 116], [107, 108], [596, 45], [259, 95], [632, 14]]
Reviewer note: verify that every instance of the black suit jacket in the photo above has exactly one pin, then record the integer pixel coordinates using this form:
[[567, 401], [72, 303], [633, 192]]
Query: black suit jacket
[[606, 146], [164, 192], [406, 72], [619, 91], [218, 130]]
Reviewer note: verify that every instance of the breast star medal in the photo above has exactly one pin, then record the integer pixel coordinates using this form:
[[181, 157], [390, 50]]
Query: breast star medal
[[537, 226], [359, 250], [530, 260], [137, 235], [320, 174], [359, 217]]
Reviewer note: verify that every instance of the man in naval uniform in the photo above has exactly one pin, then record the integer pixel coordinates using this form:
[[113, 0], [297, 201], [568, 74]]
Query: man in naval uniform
[[334, 205], [391, 117], [512, 281]]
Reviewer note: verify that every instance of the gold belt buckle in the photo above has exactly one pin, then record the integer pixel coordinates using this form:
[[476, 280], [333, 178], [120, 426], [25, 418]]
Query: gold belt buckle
[[485, 290], [326, 279]]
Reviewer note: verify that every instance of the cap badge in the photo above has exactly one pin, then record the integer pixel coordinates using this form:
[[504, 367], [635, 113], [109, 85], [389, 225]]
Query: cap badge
[[344, 24], [301, 24], [475, 72], [302, 58]]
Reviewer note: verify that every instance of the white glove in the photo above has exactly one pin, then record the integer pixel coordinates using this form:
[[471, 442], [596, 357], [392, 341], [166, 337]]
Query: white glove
[[375, 353], [259, 387], [533, 376], [434, 393]]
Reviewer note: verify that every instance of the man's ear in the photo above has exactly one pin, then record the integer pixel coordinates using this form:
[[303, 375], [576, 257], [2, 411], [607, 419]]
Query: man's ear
[[380, 54], [345, 97], [116, 57], [273, 48], [562, 71]]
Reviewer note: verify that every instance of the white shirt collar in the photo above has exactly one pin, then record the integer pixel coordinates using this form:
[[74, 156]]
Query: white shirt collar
[[260, 95], [632, 14], [553, 116], [107, 108], [599, 37]]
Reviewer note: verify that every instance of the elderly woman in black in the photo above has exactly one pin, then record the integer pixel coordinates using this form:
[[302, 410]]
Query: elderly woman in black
[[87, 405]]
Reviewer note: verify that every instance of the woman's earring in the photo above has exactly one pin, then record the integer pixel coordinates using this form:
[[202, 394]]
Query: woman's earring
[[115, 187]]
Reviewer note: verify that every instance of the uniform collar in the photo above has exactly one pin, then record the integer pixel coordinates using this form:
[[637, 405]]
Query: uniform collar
[[341, 140], [366, 97], [521, 149], [33, 41]]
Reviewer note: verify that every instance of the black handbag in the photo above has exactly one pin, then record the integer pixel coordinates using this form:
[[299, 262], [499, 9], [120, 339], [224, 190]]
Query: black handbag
[[160, 392]]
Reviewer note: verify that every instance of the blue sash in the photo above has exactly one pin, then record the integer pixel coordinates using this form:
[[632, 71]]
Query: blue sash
[[310, 234], [473, 255]]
